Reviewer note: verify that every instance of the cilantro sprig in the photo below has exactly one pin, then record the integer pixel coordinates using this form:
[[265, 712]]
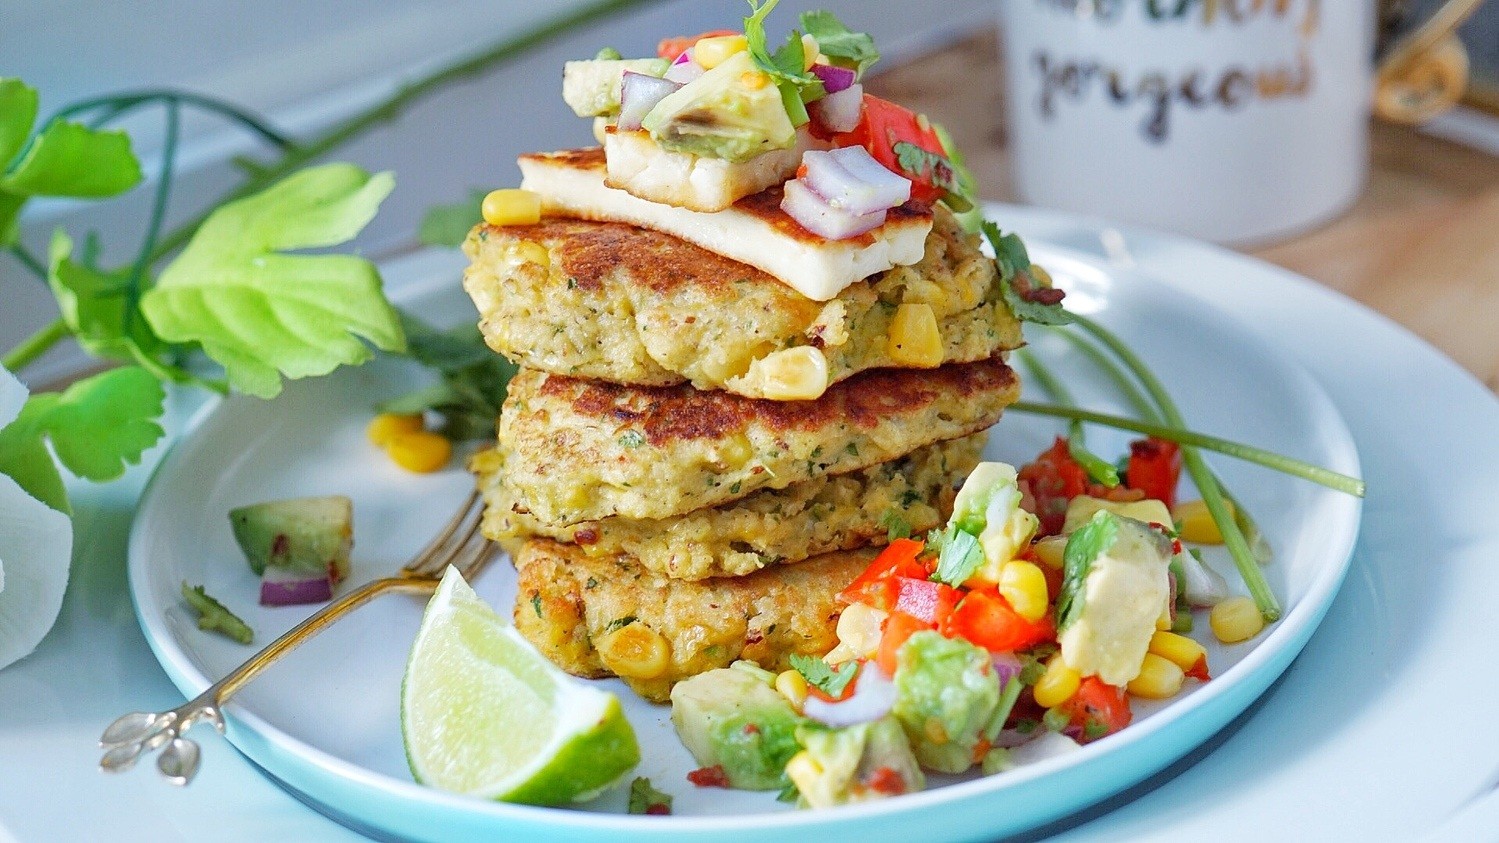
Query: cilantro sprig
[[213, 616], [823, 676]]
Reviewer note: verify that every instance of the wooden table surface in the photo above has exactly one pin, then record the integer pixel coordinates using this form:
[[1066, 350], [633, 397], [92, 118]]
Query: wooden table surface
[[1421, 245]]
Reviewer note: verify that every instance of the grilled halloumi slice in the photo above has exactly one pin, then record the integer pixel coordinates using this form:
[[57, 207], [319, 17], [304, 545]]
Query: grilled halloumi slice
[[754, 230], [636, 165]]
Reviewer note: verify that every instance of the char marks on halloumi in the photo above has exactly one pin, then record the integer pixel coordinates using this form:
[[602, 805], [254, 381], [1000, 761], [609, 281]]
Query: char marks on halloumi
[[754, 230]]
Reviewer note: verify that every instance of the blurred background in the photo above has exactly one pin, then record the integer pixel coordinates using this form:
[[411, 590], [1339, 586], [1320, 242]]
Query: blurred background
[[306, 65]]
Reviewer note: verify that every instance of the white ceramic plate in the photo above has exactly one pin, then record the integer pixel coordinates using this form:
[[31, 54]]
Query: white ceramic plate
[[324, 721]]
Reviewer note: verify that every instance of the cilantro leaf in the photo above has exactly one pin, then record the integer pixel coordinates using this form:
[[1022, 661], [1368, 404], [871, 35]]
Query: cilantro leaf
[[822, 676], [960, 557], [796, 85], [645, 799], [263, 314], [1029, 304], [473, 381], [99, 424], [835, 40], [449, 225], [214, 617], [896, 527], [1084, 546]]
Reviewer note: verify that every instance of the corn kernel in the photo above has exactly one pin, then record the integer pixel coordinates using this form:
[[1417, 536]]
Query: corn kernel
[[1195, 524], [935, 732], [1024, 586], [1236, 619], [1057, 684], [1049, 551], [1040, 275], [1164, 621], [1158, 679], [859, 628], [810, 51], [914, 338], [793, 686], [635, 651], [736, 451], [529, 251], [754, 80], [1180, 650], [511, 206], [804, 772], [711, 52], [419, 451], [793, 374], [387, 426]]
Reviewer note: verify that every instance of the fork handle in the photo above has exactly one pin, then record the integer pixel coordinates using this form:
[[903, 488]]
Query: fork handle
[[219, 692]]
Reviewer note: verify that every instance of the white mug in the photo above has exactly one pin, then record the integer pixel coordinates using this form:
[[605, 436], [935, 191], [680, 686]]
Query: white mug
[[1236, 121]]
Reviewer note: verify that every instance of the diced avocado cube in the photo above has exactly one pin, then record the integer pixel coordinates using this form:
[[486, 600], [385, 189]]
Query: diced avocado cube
[[301, 535], [732, 719], [719, 115], [591, 87]]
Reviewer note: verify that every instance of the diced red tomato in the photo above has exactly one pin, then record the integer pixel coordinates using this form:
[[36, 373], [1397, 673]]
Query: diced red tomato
[[896, 560], [670, 48], [1053, 479], [1155, 466], [986, 619], [709, 777], [891, 132], [1100, 705], [898, 627], [1200, 669], [887, 781]]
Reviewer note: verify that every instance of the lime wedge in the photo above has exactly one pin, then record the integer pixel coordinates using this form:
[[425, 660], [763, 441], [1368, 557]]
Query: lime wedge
[[484, 714]]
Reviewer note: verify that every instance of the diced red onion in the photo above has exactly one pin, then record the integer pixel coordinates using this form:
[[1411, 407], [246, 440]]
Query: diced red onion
[[839, 111], [1203, 586], [817, 216], [834, 78], [684, 69], [638, 94], [1006, 667], [280, 587], [849, 179], [873, 697]]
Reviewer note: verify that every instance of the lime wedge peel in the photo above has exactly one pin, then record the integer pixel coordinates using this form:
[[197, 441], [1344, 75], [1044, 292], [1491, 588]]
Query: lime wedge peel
[[484, 714]]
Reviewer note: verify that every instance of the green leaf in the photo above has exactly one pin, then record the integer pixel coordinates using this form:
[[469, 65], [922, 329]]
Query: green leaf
[[25, 459], [961, 556], [645, 799], [836, 40], [17, 114], [822, 676], [263, 314], [100, 424], [97, 306], [1084, 546], [10, 212], [214, 617], [70, 159], [449, 225]]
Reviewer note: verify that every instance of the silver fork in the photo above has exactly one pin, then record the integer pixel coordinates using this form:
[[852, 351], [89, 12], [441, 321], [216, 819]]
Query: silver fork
[[459, 544]]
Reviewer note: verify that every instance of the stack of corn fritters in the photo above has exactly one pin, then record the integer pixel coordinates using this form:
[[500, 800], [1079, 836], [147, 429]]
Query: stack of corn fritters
[[663, 525]]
